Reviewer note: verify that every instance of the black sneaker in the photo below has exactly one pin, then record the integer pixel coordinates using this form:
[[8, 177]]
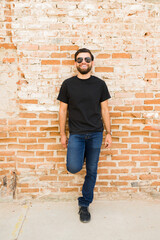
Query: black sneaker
[[85, 215]]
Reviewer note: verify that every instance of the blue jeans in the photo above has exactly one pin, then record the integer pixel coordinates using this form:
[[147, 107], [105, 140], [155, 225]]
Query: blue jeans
[[87, 146]]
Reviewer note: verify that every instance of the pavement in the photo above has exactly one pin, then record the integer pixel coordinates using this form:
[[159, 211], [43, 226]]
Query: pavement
[[112, 220]]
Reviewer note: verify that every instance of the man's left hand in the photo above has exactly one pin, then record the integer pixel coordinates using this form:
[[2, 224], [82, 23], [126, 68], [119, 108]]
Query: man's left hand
[[108, 141]]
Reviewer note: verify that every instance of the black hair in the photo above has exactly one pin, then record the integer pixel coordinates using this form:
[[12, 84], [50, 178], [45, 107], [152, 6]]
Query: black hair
[[81, 50]]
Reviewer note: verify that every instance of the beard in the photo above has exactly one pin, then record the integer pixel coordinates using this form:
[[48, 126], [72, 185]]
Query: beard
[[84, 70]]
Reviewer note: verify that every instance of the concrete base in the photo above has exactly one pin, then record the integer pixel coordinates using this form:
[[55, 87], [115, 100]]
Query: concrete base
[[113, 220]]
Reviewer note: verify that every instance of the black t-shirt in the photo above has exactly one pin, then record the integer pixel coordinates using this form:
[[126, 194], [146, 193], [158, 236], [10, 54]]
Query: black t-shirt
[[83, 97]]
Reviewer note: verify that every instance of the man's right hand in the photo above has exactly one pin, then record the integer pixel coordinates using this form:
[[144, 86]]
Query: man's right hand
[[64, 141]]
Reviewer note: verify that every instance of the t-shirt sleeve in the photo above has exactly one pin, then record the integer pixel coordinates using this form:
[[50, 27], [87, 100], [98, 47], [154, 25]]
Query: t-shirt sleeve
[[105, 93], [63, 94]]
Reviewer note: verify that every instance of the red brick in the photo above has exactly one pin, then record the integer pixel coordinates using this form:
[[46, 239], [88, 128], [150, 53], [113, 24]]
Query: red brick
[[28, 47], [37, 134], [16, 122], [7, 165], [66, 178], [48, 47], [7, 153], [155, 158], [107, 177], [69, 48], [157, 140], [143, 108], [148, 177], [7, 46], [126, 164], [122, 108], [157, 95], [140, 158], [49, 129], [155, 183], [28, 101], [4, 172], [128, 178], [7, 140], [69, 189], [139, 146], [108, 189], [34, 160], [119, 145], [48, 115], [68, 62], [130, 140], [54, 147], [131, 128], [149, 151], [139, 133], [148, 164], [118, 171], [50, 62], [103, 55], [101, 183], [27, 140], [121, 55], [104, 69], [27, 115], [132, 115], [151, 75], [3, 121], [24, 165], [25, 153], [119, 183], [16, 146], [8, 60], [102, 171], [144, 95], [44, 153], [59, 55], [47, 140], [17, 134], [153, 101], [120, 157], [120, 121], [115, 114], [35, 146], [119, 134], [48, 178], [27, 129], [29, 190], [107, 164], [139, 170], [55, 159]]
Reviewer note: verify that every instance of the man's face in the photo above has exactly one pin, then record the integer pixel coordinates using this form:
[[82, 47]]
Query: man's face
[[84, 67]]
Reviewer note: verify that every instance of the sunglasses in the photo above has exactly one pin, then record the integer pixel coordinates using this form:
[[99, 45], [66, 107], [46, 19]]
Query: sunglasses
[[86, 59]]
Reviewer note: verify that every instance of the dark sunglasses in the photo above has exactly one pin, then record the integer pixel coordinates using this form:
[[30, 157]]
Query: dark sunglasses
[[86, 59]]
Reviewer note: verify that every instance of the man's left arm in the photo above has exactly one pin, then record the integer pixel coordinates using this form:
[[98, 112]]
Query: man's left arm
[[106, 120]]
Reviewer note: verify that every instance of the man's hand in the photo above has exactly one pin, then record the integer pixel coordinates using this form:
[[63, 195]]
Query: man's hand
[[108, 141], [64, 141]]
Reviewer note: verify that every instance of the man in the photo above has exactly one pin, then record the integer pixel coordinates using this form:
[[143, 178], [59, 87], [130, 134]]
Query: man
[[86, 98]]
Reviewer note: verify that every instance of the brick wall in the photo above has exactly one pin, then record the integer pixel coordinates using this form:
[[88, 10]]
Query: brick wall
[[38, 40]]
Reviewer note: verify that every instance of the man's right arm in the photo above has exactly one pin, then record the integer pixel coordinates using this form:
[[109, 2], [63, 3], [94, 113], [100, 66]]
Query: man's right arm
[[62, 122]]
